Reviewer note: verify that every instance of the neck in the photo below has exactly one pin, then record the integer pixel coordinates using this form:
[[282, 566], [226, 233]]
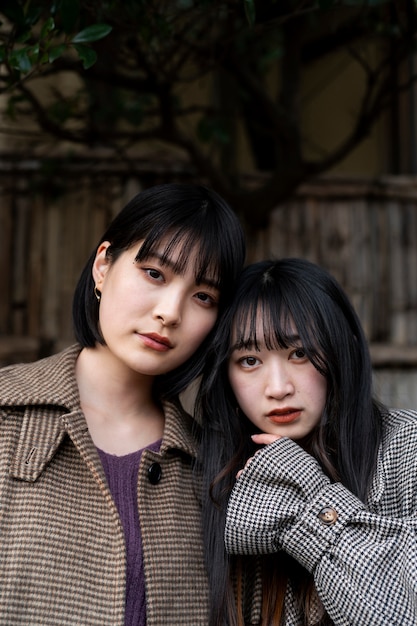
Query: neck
[[121, 413]]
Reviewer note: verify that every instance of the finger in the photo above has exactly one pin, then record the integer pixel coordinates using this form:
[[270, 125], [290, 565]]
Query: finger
[[264, 438]]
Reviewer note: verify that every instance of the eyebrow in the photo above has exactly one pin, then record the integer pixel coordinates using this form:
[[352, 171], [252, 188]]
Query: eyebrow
[[166, 261], [244, 345]]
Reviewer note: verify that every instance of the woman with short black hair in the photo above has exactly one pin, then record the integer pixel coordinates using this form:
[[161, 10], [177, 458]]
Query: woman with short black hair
[[100, 511]]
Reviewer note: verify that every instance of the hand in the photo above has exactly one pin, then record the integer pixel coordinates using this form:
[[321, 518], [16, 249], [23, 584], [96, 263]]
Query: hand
[[260, 439], [270, 496]]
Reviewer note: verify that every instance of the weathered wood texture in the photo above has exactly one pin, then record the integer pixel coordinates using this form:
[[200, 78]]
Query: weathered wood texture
[[366, 235], [364, 232]]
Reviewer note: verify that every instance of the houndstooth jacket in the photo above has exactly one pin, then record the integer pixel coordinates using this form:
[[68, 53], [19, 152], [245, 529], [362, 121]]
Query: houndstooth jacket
[[62, 551], [363, 557]]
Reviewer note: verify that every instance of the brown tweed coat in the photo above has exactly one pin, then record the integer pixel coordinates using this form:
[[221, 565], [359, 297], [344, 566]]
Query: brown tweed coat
[[62, 554]]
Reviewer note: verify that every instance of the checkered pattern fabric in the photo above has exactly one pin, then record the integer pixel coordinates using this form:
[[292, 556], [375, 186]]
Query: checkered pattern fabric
[[363, 557], [62, 553]]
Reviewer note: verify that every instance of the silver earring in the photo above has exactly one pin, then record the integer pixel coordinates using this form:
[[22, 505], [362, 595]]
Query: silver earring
[[97, 294]]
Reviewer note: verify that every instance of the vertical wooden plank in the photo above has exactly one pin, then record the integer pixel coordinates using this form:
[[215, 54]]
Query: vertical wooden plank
[[410, 259], [294, 229], [277, 247], [362, 285], [49, 328], [7, 201], [396, 274], [36, 266], [380, 272], [325, 256], [20, 261], [311, 207], [71, 208]]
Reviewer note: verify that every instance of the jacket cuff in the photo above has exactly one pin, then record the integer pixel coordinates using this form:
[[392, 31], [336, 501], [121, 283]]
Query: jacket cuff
[[320, 524]]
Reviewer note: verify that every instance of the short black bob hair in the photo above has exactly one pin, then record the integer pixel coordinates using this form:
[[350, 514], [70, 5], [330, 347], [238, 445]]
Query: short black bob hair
[[186, 214]]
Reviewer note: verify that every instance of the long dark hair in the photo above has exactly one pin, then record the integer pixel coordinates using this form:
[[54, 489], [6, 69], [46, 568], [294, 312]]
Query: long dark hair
[[186, 214], [287, 293]]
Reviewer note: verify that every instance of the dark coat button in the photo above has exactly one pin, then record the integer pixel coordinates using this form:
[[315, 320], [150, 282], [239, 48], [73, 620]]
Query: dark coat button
[[154, 473], [328, 516]]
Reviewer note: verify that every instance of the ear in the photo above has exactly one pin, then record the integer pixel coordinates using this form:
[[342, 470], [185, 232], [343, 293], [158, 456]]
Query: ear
[[101, 264]]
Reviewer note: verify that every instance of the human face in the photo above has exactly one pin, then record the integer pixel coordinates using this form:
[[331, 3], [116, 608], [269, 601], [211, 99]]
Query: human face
[[151, 317], [280, 391]]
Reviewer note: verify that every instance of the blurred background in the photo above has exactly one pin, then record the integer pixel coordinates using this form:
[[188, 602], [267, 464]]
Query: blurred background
[[301, 114]]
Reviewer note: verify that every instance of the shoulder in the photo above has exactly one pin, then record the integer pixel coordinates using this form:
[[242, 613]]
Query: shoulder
[[48, 381], [394, 489], [399, 428], [399, 437]]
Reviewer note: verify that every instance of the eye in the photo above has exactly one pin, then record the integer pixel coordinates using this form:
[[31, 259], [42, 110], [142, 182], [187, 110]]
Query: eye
[[299, 354], [249, 362], [153, 274], [206, 299]]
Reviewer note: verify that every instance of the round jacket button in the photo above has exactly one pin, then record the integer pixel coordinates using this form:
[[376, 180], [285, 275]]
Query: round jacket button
[[328, 516], [154, 473]]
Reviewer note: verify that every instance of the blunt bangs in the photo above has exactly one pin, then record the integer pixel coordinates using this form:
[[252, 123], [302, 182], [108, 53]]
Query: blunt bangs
[[262, 322], [208, 267], [279, 309], [208, 227]]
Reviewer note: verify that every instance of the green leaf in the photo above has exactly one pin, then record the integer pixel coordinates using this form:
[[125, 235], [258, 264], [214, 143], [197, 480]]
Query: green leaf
[[47, 28], [250, 11], [56, 52], [92, 33], [86, 54], [33, 53], [33, 13], [19, 60]]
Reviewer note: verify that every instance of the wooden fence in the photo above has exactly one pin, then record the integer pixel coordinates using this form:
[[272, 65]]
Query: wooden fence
[[364, 232]]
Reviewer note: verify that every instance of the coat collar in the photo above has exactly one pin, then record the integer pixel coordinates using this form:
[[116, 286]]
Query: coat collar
[[47, 393], [180, 430], [48, 382]]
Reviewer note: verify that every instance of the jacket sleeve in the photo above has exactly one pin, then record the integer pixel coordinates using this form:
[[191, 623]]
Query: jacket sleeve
[[364, 564]]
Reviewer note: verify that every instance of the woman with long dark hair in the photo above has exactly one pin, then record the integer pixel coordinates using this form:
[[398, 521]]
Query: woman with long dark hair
[[316, 475]]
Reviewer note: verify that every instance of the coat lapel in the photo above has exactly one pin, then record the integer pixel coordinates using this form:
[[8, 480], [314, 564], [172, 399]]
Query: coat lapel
[[40, 436]]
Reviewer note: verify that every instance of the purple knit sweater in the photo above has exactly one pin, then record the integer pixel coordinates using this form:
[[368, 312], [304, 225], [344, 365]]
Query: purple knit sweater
[[122, 477]]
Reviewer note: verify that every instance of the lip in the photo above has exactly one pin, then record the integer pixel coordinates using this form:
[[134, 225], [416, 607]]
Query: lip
[[284, 416], [156, 342]]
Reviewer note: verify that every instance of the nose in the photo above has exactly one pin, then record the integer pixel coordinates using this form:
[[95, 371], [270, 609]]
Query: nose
[[279, 383], [168, 309]]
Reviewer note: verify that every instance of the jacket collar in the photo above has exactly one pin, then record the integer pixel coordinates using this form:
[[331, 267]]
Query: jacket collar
[[47, 392], [179, 431], [50, 381]]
